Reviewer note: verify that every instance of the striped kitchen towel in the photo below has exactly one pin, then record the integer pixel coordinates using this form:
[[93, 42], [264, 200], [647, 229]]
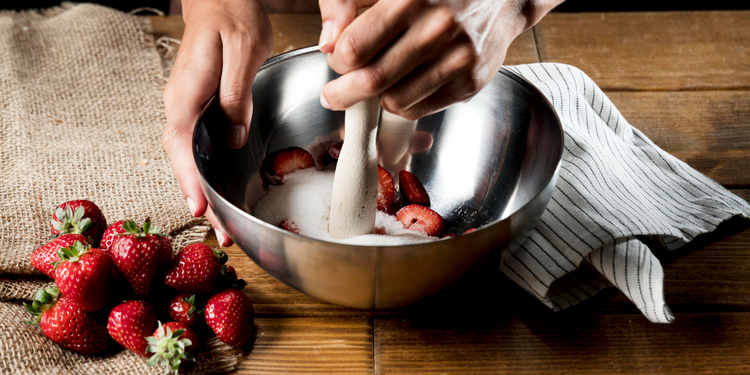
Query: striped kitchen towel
[[615, 186]]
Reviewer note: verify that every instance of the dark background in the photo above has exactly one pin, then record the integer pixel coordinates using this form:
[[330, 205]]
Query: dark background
[[568, 6]]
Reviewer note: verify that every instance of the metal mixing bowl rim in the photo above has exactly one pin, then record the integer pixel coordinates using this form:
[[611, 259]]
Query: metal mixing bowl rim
[[311, 49]]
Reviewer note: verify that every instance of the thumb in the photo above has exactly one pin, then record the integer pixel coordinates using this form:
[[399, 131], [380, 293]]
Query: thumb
[[336, 16]]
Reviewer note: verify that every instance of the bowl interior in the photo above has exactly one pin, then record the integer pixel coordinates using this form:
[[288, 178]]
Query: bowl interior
[[480, 161]]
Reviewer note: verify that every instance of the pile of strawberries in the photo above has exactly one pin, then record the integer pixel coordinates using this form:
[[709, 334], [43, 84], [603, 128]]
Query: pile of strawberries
[[410, 203], [120, 281]]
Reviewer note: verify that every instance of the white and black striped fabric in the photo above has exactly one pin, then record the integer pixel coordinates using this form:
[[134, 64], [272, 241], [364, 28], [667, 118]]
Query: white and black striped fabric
[[615, 186]]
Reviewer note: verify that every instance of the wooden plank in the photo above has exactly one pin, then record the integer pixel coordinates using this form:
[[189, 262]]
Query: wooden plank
[[652, 51], [709, 130], [710, 274], [292, 31], [310, 346], [522, 50], [581, 344]]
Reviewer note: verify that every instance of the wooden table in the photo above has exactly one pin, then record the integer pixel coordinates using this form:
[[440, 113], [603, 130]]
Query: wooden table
[[683, 78]]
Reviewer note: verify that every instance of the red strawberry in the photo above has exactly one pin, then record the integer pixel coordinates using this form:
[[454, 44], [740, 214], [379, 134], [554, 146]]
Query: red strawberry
[[79, 217], [289, 225], [45, 255], [422, 219], [130, 322], [111, 235], [470, 230], [83, 275], [171, 344], [66, 324], [412, 189], [141, 255], [196, 269], [332, 153], [229, 313], [386, 189], [280, 163], [182, 309]]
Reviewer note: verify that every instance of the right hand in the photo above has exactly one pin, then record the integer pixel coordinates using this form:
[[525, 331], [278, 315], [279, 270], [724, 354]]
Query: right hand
[[224, 44]]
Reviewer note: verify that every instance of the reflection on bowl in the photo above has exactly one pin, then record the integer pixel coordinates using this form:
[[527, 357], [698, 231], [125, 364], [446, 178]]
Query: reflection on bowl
[[491, 163]]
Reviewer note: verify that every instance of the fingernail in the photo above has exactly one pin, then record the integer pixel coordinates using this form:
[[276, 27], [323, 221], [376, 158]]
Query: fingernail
[[325, 34], [220, 237], [191, 206], [324, 102], [236, 136]]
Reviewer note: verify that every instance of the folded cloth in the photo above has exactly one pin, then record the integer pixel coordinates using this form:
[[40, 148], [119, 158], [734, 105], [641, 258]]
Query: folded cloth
[[615, 186]]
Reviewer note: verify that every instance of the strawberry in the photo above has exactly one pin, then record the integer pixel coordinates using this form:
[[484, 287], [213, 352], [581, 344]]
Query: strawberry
[[422, 219], [229, 313], [130, 322], [386, 189], [282, 162], [141, 255], [289, 226], [182, 309], [83, 275], [171, 344], [43, 257], [196, 269], [111, 235], [79, 217], [412, 189], [332, 153], [66, 324]]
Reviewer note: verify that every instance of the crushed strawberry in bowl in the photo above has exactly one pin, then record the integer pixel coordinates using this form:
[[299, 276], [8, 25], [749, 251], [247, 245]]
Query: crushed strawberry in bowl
[[489, 164]]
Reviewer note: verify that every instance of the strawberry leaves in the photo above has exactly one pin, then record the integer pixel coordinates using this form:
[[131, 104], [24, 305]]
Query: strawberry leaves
[[130, 227], [71, 253], [168, 348], [44, 299], [68, 221]]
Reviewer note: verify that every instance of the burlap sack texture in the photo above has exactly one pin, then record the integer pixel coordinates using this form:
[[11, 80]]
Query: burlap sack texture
[[81, 117]]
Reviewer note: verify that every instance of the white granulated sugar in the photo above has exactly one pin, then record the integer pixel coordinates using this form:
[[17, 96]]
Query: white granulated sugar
[[305, 199]]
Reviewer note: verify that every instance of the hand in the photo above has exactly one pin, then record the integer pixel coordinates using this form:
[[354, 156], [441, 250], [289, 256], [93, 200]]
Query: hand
[[224, 45], [419, 57]]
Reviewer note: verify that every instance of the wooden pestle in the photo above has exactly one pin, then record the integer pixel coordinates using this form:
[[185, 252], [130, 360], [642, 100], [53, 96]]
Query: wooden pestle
[[355, 184]]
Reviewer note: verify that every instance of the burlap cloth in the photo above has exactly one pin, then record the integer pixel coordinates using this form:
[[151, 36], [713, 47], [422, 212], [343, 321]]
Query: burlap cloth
[[81, 117]]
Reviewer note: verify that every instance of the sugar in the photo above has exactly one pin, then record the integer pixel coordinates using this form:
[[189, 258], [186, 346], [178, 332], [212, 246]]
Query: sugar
[[305, 199]]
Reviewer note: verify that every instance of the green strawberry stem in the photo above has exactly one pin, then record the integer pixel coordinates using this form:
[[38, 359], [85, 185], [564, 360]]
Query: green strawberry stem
[[221, 256], [44, 299], [193, 309], [130, 227], [71, 254], [69, 222], [230, 280], [169, 349]]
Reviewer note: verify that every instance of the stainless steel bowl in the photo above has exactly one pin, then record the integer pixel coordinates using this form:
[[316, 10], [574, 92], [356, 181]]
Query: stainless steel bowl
[[493, 164]]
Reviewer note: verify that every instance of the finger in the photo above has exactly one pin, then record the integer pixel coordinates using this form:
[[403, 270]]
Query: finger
[[367, 35], [459, 90], [431, 32], [336, 16], [421, 141], [460, 59], [194, 79], [242, 56], [221, 234]]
